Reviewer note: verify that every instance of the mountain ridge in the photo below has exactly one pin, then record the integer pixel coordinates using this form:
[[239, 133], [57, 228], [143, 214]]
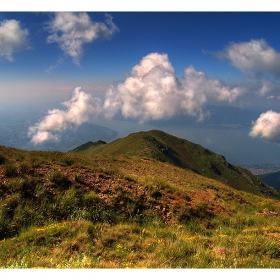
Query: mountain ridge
[[164, 147]]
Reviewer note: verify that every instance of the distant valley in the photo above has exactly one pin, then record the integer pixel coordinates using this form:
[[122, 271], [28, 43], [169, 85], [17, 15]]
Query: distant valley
[[259, 169]]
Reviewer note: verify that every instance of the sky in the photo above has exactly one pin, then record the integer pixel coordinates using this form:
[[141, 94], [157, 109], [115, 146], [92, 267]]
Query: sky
[[209, 77]]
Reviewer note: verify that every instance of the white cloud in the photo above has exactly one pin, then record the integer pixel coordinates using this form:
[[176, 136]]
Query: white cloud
[[72, 30], [149, 93], [80, 108], [267, 126], [253, 55], [54, 66], [197, 90], [153, 92], [266, 87], [12, 38]]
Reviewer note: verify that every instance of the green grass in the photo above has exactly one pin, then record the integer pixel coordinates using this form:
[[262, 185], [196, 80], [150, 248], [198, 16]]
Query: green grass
[[159, 146], [10, 170], [74, 211], [82, 244]]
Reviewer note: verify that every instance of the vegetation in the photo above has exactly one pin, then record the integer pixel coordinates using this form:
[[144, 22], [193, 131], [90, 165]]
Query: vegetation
[[66, 210], [164, 147]]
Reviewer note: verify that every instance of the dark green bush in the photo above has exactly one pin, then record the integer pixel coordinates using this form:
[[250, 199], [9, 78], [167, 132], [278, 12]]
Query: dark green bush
[[9, 206], [10, 170], [59, 179], [25, 187], [68, 160], [28, 187], [91, 199], [78, 178], [25, 168], [2, 159]]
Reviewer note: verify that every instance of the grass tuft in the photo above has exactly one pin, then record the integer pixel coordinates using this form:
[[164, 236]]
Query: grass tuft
[[10, 169]]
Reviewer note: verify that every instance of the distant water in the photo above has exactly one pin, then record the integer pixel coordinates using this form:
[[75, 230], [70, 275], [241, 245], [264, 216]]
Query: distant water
[[14, 129], [227, 136]]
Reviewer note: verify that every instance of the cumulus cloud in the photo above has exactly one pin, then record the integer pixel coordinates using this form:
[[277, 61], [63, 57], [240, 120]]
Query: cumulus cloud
[[153, 92], [253, 55], [149, 93], [197, 90], [79, 110], [72, 30], [267, 126], [12, 38]]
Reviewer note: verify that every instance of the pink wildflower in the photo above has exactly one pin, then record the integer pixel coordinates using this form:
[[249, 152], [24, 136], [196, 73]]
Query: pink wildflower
[[222, 251]]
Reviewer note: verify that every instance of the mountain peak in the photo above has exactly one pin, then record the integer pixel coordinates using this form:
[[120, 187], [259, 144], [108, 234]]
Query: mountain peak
[[164, 147]]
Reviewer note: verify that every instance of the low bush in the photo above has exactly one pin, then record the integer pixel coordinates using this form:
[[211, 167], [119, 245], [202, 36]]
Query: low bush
[[25, 168], [10, 170], [59, 179], [90, 199], [2, 159], [78, 178], [68, 160]]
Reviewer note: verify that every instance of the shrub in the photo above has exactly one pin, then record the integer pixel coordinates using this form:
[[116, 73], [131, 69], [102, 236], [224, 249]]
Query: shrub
[[2, 159], [25, 187], [24, 168], [10, 170], [91, 198], [10, 205], [59, 179], [15, 184], [28, 187], [78, 178], [68, 160], [163, 185]]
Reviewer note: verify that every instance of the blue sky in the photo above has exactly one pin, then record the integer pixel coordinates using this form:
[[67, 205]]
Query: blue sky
[[183, 36], [178, 71]]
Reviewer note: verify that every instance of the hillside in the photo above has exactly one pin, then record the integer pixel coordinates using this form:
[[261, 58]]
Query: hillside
[[271, 179], [102, 210], [164, 147], [87, 146]]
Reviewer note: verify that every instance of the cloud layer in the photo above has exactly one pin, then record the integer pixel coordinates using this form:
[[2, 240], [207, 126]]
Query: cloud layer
[[152, 92], [72, 30], [253, 55], [267, 126], [80, 108], [12, 38]]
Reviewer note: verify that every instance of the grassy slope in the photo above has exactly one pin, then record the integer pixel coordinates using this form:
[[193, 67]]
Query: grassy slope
[[182, 153], [66, 210], [88, 145]]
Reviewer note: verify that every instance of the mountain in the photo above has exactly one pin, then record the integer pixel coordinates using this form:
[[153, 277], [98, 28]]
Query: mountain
[[140, 201], [88, 145], [271, 179], [160, 146]]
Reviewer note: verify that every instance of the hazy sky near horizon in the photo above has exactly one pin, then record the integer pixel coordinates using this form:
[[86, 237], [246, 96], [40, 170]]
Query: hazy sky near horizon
[[174, 70]]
